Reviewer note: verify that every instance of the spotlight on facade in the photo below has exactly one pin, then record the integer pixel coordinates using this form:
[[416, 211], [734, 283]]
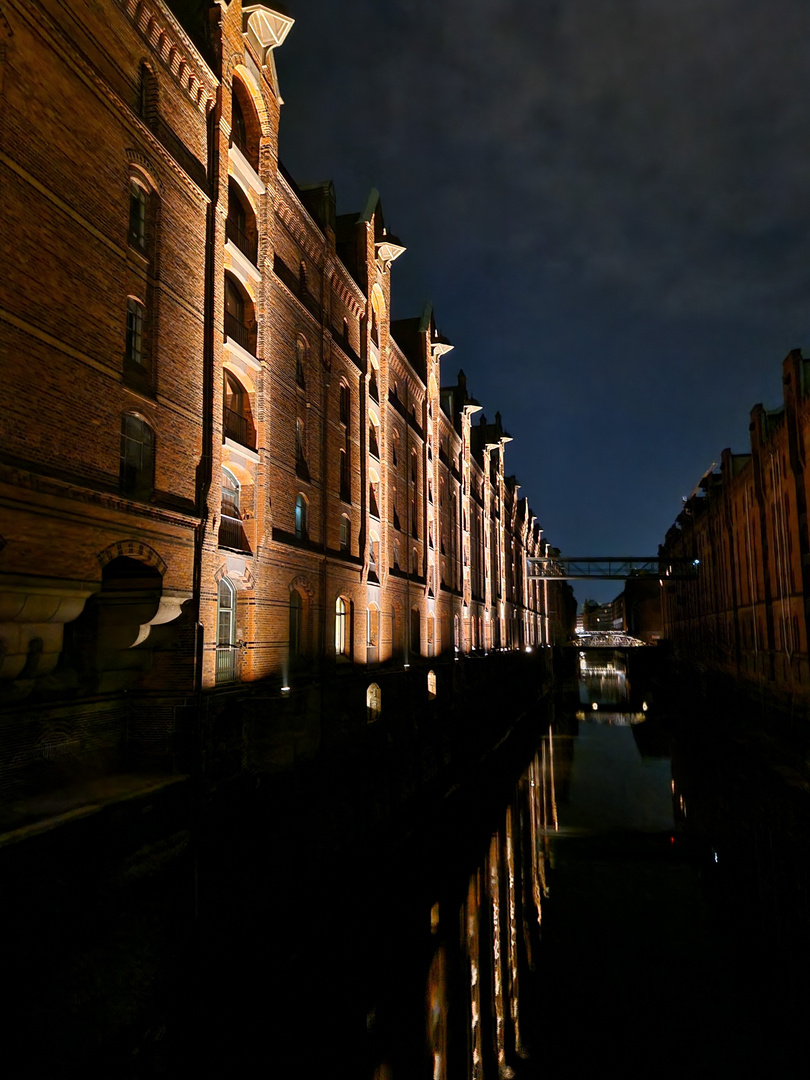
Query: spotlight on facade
[[406, 666], [594, 706], [285, 689], [528, 648], [644, 706]]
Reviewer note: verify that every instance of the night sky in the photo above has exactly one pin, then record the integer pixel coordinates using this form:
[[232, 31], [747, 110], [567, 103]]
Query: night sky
[[607, 204]]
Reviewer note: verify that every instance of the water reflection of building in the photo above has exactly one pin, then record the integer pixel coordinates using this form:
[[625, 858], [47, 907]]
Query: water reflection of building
[[745, 613], [498, 947]]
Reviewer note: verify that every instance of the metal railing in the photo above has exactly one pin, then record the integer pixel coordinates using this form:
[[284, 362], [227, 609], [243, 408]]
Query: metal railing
[[232, 534], [226, 663], [249, 246], [240, 333], [239, 428]]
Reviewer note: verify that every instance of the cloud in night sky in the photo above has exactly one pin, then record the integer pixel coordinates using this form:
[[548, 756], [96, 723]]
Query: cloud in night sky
[[609, 197]]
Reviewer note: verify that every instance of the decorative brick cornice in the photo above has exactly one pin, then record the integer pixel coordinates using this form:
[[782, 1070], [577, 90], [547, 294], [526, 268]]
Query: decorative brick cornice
[[157, 26], [294, 219], [352, 298]]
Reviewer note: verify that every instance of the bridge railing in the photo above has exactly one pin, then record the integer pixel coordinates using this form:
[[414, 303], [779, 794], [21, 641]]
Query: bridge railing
[[571, 568]]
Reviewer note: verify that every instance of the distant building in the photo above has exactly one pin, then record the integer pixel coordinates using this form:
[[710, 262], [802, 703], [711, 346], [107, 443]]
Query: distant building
[[637, 609], [596, 616], [746, 614]]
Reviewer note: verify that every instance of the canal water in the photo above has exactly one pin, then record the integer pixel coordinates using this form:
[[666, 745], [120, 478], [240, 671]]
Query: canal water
[[584, 906]]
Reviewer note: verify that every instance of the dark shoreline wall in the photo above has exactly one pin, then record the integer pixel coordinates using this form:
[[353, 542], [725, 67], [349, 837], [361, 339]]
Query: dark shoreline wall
[[119, 911]]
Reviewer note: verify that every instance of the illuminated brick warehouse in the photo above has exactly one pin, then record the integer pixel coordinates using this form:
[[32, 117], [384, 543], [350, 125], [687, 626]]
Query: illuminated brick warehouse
[[247, 520], [746, 525]]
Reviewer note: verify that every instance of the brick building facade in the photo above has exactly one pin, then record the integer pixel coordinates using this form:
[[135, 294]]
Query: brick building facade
[[746, 612], [242, 511], [235, 467]]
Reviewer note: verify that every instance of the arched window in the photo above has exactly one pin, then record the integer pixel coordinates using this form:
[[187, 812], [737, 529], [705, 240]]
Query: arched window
[[396, 554], [240, 225], [341, 637], [137, 468], [245, 129], [373, 625], [373, 386], [238, 130], [226, 631], [373, 702], [231, 530], [373, 554], [239, 323], [344, 485], [373, 438], [300, 517], [345, 532], [296, 624], [237, 420], [230, 494], [138, 202], [431, 684]]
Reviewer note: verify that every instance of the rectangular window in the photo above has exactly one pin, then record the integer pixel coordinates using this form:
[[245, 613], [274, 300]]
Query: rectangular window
[[134, 345], [137, 216], [137, 458]]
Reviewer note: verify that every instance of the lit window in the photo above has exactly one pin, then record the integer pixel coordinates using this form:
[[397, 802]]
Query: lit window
[[134, 346], [137, 458], [237, 420], [226, 632], [431, 684], [300, 517], [340, 626], [373, 625], [373, 702], [230, 494]]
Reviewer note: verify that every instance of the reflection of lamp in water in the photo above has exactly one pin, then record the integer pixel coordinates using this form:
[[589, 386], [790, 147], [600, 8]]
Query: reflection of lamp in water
[[594, 706]]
